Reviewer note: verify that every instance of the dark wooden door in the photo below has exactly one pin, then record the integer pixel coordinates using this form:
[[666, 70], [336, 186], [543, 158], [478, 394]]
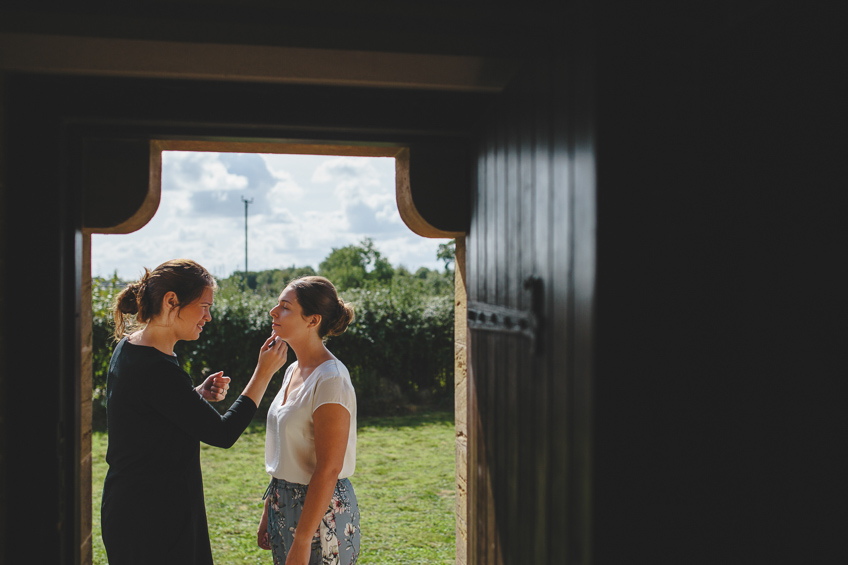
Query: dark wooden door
[[530, 252]]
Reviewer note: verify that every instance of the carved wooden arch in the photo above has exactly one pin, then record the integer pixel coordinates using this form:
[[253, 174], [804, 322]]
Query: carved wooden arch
[[113, 185]]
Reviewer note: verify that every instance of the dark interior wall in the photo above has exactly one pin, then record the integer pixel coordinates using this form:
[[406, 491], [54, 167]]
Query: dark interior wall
[[3, 353], [40, 250], [446, 27], [720, 335], [717, 329]]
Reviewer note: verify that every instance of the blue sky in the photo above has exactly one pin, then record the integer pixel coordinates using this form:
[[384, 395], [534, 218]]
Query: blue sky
[[303, 206]]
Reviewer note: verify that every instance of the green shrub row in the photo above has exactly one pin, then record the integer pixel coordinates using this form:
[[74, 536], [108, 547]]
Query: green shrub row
[[399, 349]]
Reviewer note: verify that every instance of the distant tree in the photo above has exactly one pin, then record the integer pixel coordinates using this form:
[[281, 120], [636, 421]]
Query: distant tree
[[422, 273], [272, 280], [447, 253], [276, 280], [354, 266]]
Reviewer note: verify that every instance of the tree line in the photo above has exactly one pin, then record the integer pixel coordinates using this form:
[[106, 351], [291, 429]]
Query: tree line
[[399, 349]]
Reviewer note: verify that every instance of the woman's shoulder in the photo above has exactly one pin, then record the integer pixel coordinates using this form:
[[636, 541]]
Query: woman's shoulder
[[333, 384], [130, 358], [333, 368]]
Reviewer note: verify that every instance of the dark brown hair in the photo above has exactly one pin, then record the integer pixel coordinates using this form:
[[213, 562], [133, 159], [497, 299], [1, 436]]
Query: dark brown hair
[[317, 295], [143, 298]]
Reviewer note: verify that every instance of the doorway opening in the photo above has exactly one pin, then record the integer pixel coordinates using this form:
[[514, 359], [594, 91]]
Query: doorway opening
[[248, 192]]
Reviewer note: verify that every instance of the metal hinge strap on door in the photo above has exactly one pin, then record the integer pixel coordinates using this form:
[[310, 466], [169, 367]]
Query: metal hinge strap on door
[[495, 318]]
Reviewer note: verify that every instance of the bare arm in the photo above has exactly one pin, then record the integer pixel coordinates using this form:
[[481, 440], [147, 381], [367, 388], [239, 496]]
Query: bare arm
[[271, 359], [332, 426], [262, 533]]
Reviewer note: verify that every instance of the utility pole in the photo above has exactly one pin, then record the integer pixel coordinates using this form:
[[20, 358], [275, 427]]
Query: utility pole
[[246, 203]]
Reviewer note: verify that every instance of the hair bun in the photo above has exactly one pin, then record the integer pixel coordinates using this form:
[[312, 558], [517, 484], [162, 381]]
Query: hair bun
[[127, 300], [343, 319]]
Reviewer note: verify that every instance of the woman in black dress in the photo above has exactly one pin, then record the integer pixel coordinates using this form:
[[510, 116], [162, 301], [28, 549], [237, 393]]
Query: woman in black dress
[[153, 509]]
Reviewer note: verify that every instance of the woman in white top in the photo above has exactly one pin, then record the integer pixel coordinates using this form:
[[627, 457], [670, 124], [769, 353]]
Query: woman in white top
[[311, 515]]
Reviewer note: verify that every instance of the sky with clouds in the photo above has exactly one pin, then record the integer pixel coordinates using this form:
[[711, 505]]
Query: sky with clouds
[[302, 207]]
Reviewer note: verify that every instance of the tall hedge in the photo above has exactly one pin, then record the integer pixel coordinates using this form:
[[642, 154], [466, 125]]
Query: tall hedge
[[399, 349]]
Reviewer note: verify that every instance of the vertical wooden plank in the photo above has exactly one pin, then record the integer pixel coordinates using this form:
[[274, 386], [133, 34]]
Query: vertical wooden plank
[[526, 184], [473, 453], [86, 555], [471, 424], [474, 244], [493, 367], [485, 384], [562, 359], [491, 221], [500, 192], [4, 297], [543, 245], [584, 254], [502, 483], [479, 356], [491, 352], [526, 394], [492, 453], [461, 406], [484, 373], [498, 455], [517, 371]]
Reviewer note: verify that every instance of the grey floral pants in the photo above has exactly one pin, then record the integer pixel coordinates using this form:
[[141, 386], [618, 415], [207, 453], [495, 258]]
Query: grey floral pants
[[336, 542]]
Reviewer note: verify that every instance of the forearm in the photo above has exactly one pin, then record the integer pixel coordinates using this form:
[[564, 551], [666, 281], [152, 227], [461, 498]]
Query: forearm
[[318, 497], [224, 430], [257, 385]]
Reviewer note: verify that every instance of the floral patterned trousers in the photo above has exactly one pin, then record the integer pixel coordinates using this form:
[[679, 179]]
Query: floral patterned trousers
[[336, 542]]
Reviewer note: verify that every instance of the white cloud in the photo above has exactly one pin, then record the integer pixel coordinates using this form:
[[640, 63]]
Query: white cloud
[[302, 207]]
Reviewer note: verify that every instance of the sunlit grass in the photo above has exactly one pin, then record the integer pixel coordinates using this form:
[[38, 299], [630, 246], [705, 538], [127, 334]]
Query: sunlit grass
[[404, 481]]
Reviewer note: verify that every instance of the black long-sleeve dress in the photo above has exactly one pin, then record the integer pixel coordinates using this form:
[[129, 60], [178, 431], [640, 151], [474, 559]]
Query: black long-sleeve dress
[[153, 509]]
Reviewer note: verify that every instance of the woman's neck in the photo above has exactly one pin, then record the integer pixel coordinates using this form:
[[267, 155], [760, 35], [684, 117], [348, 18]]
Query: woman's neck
[[310, 353], [155, 336]]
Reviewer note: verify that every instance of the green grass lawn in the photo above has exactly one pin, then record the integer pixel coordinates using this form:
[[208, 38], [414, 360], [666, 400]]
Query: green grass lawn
[[404, 481]]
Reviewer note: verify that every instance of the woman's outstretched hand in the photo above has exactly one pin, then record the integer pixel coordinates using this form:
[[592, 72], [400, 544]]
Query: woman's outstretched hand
[[214, 388], [272, 355]]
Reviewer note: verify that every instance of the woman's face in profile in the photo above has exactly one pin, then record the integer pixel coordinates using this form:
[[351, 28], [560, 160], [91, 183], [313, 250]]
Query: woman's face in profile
[[287, 316]]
